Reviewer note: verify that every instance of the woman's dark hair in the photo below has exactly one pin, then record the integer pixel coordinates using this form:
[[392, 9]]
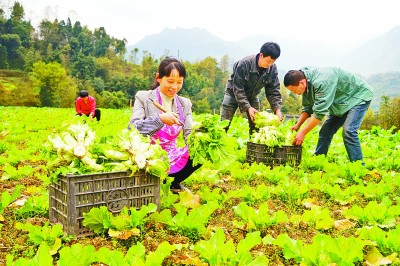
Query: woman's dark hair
[[271, 49], [166, 66], [293, 77], [83, 93]]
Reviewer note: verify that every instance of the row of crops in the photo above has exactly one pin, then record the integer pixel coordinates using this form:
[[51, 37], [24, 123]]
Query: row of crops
[[326, 211]]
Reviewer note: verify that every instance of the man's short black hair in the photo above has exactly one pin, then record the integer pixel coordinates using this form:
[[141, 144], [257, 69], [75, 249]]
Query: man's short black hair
[[293, 77], [271, 49], [83, 94]]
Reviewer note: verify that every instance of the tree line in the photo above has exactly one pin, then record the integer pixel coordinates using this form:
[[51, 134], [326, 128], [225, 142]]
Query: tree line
[[62, 58], [58, 59]]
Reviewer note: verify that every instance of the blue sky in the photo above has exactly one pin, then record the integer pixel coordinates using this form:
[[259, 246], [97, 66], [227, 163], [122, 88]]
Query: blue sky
[[336, 23]]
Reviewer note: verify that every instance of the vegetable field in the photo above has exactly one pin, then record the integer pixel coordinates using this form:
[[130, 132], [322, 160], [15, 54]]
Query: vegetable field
[[326, 211]]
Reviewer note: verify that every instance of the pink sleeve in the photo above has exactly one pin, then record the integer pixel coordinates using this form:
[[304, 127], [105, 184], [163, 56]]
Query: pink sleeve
[[92, 111], [78, 106]]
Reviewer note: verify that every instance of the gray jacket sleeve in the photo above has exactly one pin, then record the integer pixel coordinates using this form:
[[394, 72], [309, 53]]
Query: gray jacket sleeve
[[188, 118], [147, 121], [273, 90], [145, 116], [239, 83]]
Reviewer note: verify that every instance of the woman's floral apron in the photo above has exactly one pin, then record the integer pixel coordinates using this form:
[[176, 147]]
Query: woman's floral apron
[[167, 135]]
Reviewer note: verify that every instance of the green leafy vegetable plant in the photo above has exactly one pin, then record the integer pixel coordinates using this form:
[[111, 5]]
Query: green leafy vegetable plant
[[53, 236], [261, 218], [251, 195], [382, 215], [318, 217], [324, 250], [218, 251], [43, 257], [189, 223], [34, 205], [127, 223], [208, 141], [13, 173], [7, 199], [388, 242], [291, 192]]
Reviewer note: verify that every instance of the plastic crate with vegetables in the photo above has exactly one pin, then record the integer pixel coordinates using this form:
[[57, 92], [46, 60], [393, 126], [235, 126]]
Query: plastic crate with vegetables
[[87, 174], [271, 144]]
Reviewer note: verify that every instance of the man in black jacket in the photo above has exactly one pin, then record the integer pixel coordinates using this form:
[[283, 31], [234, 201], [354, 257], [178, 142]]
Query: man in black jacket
[[249, 76]]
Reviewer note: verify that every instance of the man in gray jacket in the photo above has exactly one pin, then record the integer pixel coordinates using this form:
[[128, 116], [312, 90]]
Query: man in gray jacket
[[249, 76]]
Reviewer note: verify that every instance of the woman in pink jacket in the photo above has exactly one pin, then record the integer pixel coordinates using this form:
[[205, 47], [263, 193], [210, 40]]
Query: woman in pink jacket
[[86, 104], [165, 127]]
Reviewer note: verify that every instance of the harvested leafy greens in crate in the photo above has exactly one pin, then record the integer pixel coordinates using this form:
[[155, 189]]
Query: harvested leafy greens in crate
[[74, 195], [273, 156], [77, 150], [85, 175], [271, 144]]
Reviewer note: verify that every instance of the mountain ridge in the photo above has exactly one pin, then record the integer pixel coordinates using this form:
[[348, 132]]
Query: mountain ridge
[[374, 56]]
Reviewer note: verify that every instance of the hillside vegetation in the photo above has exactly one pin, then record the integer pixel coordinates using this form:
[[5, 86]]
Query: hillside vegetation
[[385, 84]]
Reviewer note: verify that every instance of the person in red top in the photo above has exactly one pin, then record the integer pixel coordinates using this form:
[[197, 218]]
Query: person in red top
[[86, 104]]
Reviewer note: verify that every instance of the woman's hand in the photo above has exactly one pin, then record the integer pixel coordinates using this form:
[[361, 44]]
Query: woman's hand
[[170, 118]]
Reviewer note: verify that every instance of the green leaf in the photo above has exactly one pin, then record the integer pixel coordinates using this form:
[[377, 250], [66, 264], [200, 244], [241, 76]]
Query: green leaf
[[7, 199], [355, 213], [39, 234], [110, 257], [319, 217], [57, 245], [77, 255], [97, 219], [122, 221], [136, 252], [291, 248], [249, 242], [259, 261], [137, 216], [375, 258], [156, 258], [354, 249], [244, 246], [268, 240], [325, 250], [42, 258], [164, 217], [209, 249]]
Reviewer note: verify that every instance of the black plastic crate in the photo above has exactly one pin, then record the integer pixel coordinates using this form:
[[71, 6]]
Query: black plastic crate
[[272, 156], [74, 195]]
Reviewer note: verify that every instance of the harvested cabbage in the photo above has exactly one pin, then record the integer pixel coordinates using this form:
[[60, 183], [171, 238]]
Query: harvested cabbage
[[74, 144]]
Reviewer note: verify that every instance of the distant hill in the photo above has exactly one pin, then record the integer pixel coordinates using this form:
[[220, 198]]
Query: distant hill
[[376, 56], [379, 55], [188, 44], [377, 60], [196, 44], [294, 54], [384, 84]]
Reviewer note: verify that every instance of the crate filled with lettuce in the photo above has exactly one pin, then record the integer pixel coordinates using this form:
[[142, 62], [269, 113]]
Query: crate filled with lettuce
[[88, 174], [271, 144]]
